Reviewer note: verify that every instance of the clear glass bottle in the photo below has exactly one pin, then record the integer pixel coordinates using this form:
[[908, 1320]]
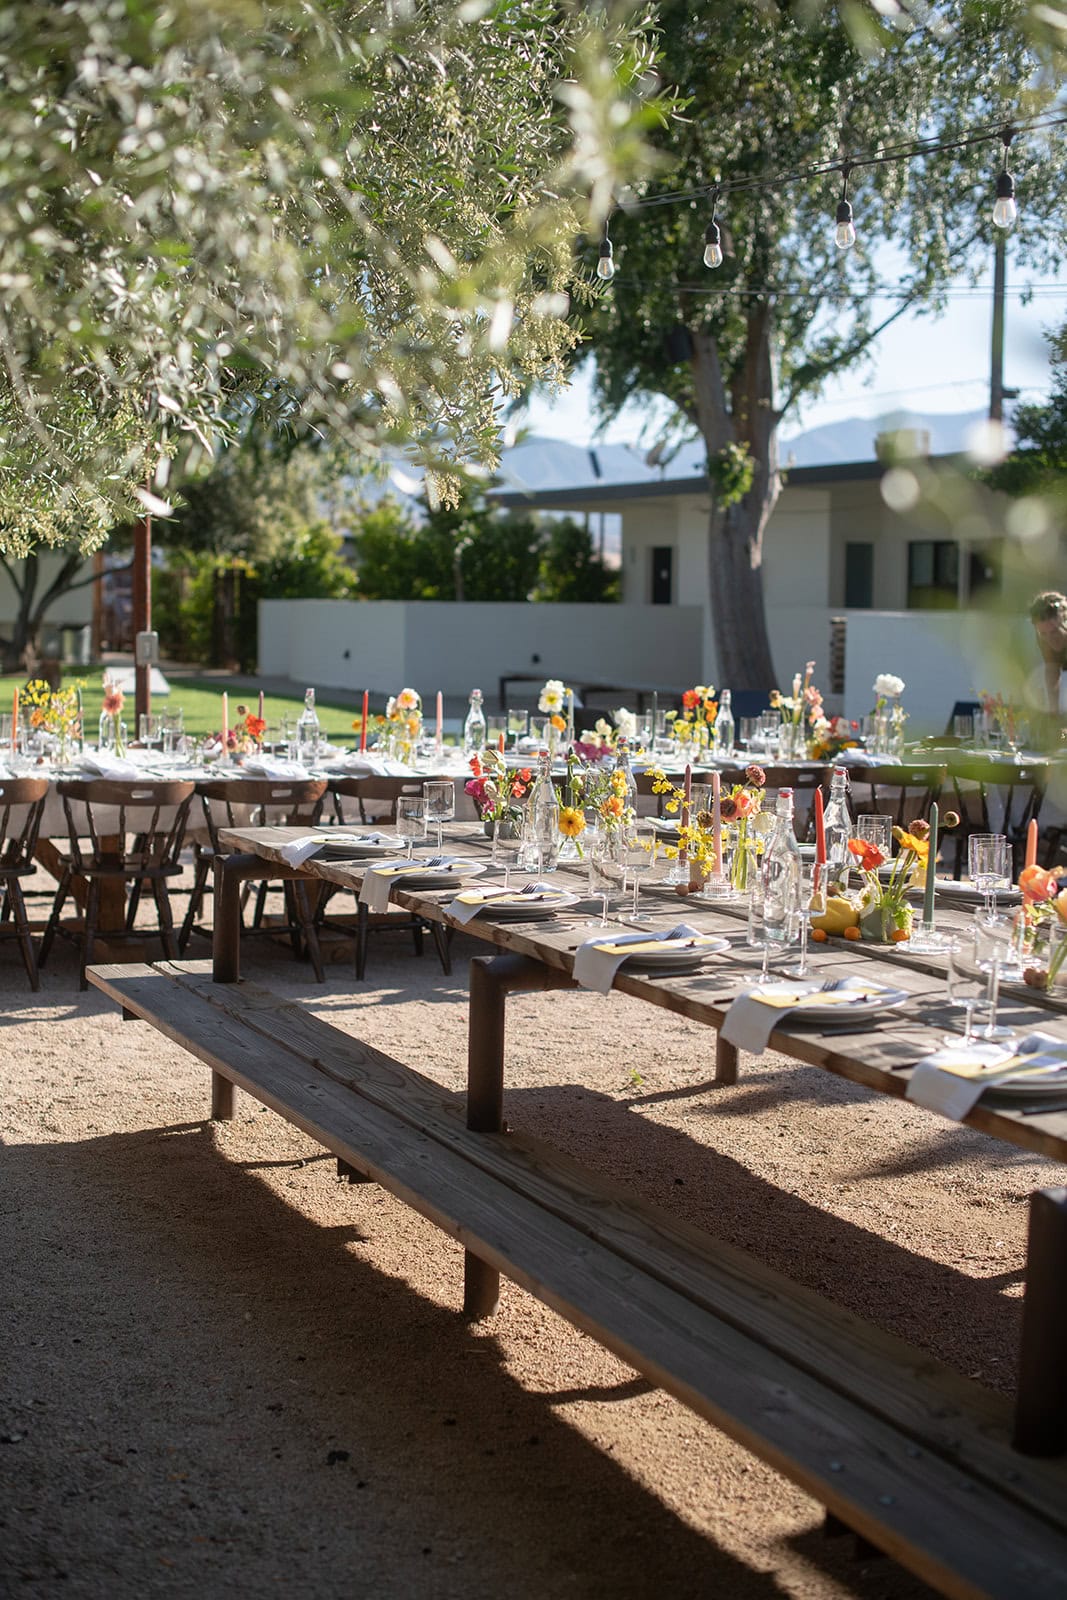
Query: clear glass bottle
[[542, 811], [724, 726], [838, 828], [622, 764], [308, 731], [780, 877], [474, 726]]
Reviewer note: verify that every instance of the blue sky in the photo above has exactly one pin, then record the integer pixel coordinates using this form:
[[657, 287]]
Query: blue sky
[[920, 364]]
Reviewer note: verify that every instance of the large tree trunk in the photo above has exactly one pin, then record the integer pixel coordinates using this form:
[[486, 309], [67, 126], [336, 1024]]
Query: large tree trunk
[[745, 417]]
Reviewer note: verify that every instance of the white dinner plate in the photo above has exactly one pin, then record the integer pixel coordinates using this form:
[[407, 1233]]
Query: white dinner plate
[[520, 907], [446, 877], [356, 844], [954, 890], [870, 1000], [675, 953]]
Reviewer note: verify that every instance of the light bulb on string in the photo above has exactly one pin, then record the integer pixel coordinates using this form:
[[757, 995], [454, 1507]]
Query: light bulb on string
[[1005, 210], [844, 232], [713, 238], [605, 267]]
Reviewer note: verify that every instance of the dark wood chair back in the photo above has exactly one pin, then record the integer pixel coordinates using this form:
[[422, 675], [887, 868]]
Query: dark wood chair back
[[131, 828], [21, 805], [380, 792], [903, 792], [259, 803]]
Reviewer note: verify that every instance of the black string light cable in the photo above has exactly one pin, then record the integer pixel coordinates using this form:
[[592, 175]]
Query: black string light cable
[[1005, 210]]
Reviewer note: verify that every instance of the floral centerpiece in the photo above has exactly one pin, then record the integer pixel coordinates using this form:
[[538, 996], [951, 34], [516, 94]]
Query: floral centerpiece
[[1045, 910], [112, 728], [246, 736], [495, 790], [741, 815], [889, 715], [693, 724], [402, 727], [830, 736], [556, 702], [884, 911], [798, 709], [55, 711]]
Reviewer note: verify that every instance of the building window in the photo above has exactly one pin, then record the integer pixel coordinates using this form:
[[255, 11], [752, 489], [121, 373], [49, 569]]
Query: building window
[[661, 585], [859, 576], [933, 575]]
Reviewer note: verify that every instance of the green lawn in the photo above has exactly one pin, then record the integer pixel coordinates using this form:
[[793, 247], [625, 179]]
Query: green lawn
[[201, 700]]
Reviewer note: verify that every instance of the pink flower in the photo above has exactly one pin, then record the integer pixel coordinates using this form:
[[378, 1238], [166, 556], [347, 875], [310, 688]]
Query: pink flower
[[114, 700]]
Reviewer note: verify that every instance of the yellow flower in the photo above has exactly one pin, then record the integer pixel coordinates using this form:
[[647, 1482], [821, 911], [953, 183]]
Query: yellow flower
[[571, 822], [908, 841], [618, 783]]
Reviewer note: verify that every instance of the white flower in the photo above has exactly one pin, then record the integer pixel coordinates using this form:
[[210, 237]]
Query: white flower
[[408, 700], [603, 729], [626, 723], [552, 697], [390, 707], [886, 684]]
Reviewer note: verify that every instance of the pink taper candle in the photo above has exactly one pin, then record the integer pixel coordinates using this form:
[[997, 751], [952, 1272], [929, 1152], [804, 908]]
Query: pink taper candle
[[1031, 844], [820, 841], [716, 821], [260, 713], [225, 722], [14, 721], [500, 743], [439, 731], [363, 728]]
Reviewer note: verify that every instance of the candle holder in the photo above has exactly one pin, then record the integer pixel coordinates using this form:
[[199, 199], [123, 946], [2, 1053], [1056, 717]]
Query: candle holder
[[926, 940], [718, 887]]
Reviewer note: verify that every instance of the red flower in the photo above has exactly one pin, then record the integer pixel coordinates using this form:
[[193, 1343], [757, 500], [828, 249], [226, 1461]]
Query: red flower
[[475, 766], [869, 856], [756, 775], [1038, 884], [255, 726], [690, 699], [517, 790], [525, 774]]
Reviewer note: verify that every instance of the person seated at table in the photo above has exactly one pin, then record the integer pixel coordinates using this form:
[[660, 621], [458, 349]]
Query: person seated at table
[[1048, 613]]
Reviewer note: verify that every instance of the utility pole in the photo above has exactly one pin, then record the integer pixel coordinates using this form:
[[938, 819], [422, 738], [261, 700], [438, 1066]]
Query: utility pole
[[142, 614], [997, 392]]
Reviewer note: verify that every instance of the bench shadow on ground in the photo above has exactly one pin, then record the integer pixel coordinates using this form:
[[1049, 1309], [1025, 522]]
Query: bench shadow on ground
[[212, 1291]]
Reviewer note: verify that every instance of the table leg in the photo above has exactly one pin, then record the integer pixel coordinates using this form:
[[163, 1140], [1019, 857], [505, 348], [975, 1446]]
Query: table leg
[[725, 1061], [493, 978], [1041, 1405]]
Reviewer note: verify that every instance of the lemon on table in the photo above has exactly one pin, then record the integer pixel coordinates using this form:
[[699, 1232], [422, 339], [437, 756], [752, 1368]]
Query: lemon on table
[[840, 914]]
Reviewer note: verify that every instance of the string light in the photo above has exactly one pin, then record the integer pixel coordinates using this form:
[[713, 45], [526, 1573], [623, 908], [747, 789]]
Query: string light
[[605, 267], [1005, 210], [713, 238], [844, 231]]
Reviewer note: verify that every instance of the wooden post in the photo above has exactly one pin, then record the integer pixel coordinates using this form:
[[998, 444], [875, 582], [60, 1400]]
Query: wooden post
[[142, 614], [1041, 1404]]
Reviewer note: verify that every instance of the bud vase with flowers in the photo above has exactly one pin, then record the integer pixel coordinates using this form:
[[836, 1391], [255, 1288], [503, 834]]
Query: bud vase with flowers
[[112, 734], [497, 792], [740, 810], [1044, 895]]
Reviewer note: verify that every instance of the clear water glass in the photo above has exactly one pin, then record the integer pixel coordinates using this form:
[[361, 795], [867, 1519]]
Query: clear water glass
[[812, 904], [639, 848], [963, 728], [607, 874], [989, 865], [150, 729], [411, 820], [877, 830], [518, 721], [440, 801], [965, 985]]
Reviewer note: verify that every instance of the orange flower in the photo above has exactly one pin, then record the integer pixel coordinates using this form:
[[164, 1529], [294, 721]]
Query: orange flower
[[908, 841], [612, 806], [869, 856], [114, 700], [557, 722], [746, 804], [525, 774], [475, 766], [255, 726], [1037, 883], [690, 699], [517, 790]]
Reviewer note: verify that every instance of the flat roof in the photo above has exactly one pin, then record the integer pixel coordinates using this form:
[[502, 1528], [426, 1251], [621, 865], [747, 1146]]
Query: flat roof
[[669, 488]]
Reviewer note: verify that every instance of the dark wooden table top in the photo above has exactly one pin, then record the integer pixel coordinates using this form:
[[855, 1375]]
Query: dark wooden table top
[[879, 1056]]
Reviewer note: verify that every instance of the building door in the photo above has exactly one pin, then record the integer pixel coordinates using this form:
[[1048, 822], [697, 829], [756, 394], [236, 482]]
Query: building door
[[859, 575], [662, 584]]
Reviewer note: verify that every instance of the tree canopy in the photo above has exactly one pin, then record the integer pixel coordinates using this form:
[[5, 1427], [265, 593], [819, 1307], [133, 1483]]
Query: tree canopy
[[361, 214], [769, 95]]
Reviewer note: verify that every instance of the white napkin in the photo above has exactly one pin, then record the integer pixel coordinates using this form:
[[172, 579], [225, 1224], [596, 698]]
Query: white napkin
[[750, 1021], [297, 851], [953, 1079], [378, 879], [275, 767], [466, 906], [596, 968], [362, 764], [105, 766]]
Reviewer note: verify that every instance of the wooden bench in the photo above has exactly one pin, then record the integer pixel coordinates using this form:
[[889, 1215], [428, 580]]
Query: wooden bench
[[908, 1454]]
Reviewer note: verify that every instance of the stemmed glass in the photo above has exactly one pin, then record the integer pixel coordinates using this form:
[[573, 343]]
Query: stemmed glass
[[507, 846], [877, 830], [966, 985], [518, 721], [812, 904], [150, 729], [994, 942], [411, 820], [638, 856], [440, 801], [989, 864], [607, 874]]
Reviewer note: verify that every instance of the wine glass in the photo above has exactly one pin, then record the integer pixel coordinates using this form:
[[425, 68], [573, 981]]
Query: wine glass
[[877, 830], [965, 985], [411, 820], [812, 904], [518, 721], [440, 805], [994, 941], [639, 845], [508, 839], [607, 874], [989, 865], [149, 729]]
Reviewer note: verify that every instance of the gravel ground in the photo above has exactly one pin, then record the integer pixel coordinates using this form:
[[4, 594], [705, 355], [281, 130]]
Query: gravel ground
[[230, 1374]]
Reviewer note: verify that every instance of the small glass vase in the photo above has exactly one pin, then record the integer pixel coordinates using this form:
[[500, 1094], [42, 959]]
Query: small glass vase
[[792, 742], [886, 922], [112, 733]]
